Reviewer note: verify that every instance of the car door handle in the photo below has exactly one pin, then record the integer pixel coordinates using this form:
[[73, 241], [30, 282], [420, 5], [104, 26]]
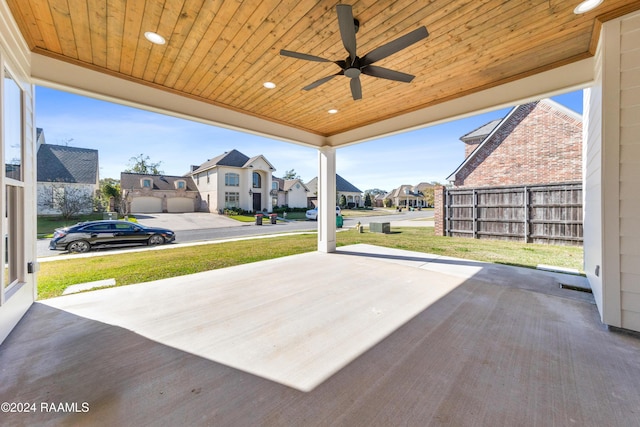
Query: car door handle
[[94, 234]]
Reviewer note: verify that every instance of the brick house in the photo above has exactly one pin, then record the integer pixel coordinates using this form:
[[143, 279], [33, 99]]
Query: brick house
[[147, 193], [536, 143]]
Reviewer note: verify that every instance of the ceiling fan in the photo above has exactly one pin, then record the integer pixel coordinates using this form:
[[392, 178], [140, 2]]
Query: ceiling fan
[[354, 65]]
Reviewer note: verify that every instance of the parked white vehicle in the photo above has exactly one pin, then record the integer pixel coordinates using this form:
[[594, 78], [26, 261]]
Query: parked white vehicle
[[312, 214]]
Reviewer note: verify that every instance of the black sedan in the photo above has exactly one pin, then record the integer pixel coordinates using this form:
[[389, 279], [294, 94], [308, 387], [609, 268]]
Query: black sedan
[[85, 236]]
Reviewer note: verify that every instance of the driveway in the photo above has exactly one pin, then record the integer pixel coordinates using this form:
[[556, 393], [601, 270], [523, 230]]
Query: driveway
[[188, 221]]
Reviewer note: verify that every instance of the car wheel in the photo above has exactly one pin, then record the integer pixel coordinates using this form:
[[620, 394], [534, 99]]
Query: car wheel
[[79, 246], [156, 239]]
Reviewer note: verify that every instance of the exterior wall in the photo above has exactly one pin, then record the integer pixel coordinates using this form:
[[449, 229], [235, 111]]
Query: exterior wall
[[471, 145], [592, 224], [612, 214], [522, 153], [629, 172], [207, 185], [297, 198], [351, 198], [45, 196]]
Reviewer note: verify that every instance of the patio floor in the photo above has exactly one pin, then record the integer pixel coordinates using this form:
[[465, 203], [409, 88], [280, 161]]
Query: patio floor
[[365, 336]]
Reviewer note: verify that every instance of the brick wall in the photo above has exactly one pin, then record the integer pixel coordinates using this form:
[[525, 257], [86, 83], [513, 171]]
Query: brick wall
[[438, 203], [539, 144], [471, 145]]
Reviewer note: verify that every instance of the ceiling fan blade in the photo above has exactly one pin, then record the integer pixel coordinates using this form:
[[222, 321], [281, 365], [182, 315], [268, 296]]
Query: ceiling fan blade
[[347, 29], [303, 56], [356, 89], [321, 81], [385, 73], [395, 45]]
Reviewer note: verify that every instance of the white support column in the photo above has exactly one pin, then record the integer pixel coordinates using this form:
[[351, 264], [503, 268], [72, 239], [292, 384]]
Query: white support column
[[327, 199]]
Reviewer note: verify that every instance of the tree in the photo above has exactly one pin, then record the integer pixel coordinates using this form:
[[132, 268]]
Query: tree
[[68, 200], [343, 201], [376, 192], [110, 193], [367, 199], [291, 174], [143, 164]]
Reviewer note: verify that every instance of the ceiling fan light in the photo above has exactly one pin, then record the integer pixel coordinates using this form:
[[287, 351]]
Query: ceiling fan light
[[154, 37], [586, 6]]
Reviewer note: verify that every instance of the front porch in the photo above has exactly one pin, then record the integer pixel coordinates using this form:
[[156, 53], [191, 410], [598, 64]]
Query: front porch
[[363, 336]]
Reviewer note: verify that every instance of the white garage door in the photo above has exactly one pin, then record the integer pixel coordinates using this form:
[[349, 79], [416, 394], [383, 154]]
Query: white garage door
[[180, 204], [146, 205]]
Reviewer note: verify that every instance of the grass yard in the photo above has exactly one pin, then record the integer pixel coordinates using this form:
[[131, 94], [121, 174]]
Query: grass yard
[[48, 224], [138, 267]]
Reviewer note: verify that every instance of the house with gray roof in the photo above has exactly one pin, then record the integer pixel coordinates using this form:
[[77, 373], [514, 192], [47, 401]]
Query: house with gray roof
[[352, 194], [290, 192], [147, 193], [234, 180], [414, 196], [65, 173]]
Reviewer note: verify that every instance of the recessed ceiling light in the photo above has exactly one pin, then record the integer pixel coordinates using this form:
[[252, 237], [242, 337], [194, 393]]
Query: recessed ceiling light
[[269, 85], [154, 37], [586, 6], [332, 111]]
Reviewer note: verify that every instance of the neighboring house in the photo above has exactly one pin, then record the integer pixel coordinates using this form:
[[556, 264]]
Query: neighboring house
[[145, 193], [64, 171], [290, 192], [536, 143], [234, 181], [343, 188], [410, 195]]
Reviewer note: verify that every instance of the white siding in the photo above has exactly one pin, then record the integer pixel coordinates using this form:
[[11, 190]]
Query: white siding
[[629, 173], [612, 174], [592, 156]]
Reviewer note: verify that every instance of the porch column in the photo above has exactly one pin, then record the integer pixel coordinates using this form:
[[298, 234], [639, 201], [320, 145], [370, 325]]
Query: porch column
[[327, 199]]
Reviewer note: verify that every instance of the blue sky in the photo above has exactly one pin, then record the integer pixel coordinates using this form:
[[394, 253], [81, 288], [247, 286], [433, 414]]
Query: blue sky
[[120, 132]]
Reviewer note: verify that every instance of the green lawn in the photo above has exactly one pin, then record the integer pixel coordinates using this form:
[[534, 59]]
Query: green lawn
[[139, 267], [48, 224]]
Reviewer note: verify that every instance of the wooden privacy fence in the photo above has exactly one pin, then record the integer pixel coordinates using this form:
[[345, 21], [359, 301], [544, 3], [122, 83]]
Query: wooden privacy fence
[[550, 213]]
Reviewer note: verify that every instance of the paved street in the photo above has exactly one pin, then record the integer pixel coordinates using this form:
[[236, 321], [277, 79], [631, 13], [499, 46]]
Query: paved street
[[199, 226]]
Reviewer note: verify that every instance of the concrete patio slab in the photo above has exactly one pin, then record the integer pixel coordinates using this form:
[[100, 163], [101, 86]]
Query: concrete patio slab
[[296, 328]]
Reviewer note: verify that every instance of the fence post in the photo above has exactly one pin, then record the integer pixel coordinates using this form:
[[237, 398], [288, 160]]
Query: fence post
[[526, 214], [475, 213], [439, 205]]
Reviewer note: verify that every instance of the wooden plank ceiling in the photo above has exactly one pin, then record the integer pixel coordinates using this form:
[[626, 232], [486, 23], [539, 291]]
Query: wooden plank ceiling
[[222, 52]]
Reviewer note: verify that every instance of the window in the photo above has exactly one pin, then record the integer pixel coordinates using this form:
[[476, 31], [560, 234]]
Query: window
[[181, 185], [208, 180], [146, 183], [12, 128], [98, 227], [231, 179], [13, 204], [257, 180], [274, 185], [231, 200], [198, 179]]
